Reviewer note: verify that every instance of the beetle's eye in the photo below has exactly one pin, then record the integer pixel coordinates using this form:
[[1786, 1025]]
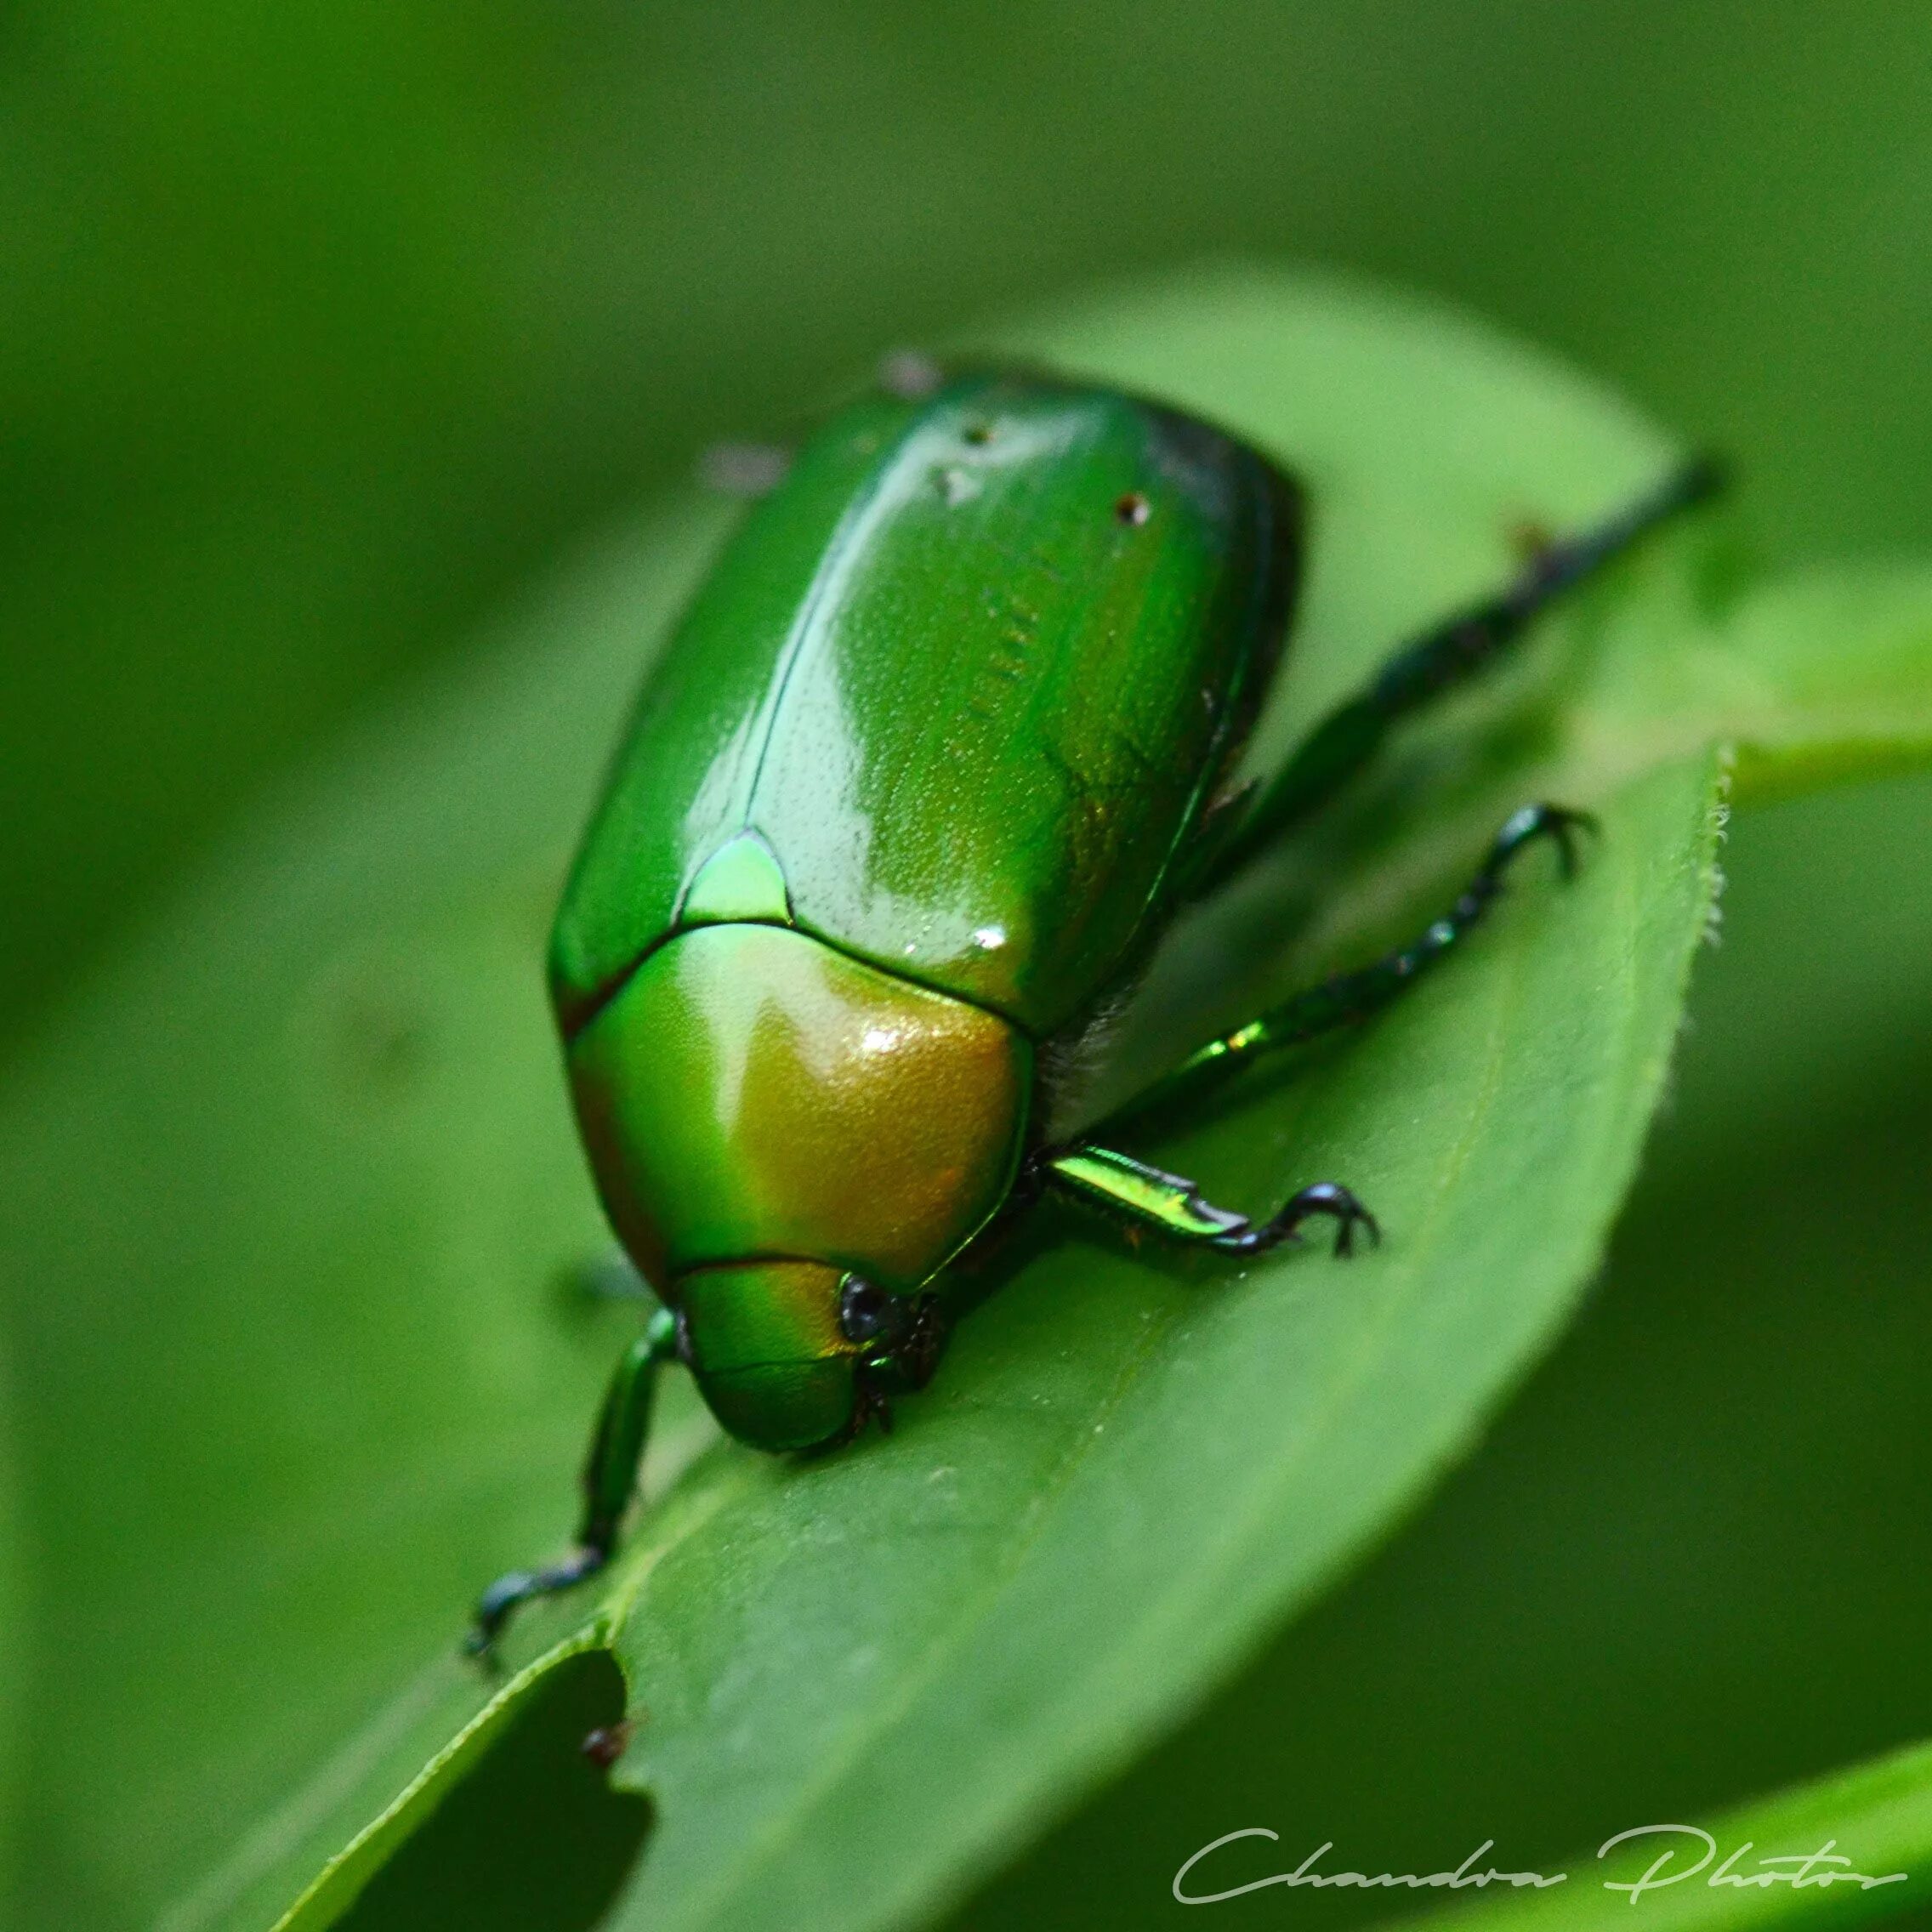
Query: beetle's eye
[[863, 1310]]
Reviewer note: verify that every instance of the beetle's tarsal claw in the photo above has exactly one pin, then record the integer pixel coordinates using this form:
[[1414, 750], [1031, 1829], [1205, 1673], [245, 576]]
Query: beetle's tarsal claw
[[1345, 1230], [1327, 1198], [1564, 827], [494, 1610], [500, 1601], [1570, 829], [1324, 1197]]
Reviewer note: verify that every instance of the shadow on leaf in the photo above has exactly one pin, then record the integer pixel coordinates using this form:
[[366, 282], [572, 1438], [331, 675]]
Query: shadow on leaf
[[533, 1836]]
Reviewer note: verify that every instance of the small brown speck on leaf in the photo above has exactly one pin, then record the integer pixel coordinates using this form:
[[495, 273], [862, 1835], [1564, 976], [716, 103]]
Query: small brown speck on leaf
[[1531, 538], [607, 1743]]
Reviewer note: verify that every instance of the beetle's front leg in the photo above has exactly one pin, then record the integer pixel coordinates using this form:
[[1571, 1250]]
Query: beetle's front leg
[[1351, 997], [1148, 1196], [610, 1479]]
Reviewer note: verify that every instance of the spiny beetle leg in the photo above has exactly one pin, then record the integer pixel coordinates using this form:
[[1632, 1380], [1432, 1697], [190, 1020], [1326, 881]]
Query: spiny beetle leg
[[609, 1481]]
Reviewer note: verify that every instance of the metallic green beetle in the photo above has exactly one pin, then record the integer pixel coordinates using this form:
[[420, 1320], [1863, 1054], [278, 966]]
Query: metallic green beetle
[[937, 752]]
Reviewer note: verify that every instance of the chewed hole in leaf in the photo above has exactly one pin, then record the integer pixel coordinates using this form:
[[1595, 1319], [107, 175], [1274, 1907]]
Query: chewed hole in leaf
[[534, 1835]]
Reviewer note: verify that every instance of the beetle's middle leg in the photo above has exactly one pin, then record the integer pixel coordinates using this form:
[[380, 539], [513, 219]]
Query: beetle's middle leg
[[610, 1479], [1101, 1175], [1447, 655], [1350, 997]]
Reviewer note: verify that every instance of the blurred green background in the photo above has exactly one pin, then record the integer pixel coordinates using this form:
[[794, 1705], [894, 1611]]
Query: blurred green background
[[324, 326], [324, 323]]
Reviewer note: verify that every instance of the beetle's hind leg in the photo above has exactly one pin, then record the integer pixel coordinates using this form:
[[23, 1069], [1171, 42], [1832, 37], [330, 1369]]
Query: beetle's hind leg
[[610, 1479], [1445, 657]]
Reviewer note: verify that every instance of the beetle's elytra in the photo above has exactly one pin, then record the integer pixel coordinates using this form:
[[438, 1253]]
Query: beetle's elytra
[[944, 709], [935, 754]]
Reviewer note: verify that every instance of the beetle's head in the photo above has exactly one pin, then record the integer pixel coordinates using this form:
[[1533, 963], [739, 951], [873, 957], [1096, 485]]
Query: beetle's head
[[799, 1355]]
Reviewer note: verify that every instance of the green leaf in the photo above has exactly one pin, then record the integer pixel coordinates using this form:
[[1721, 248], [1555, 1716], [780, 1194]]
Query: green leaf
[[1876, 1818], [284, 1196], [1827, 674], [14, 1636], [285, 1193]]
